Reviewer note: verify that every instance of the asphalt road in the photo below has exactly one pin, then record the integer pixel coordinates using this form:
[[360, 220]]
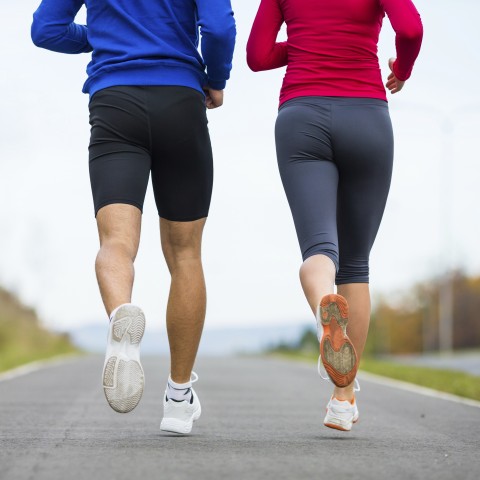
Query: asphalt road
[[262, 419]]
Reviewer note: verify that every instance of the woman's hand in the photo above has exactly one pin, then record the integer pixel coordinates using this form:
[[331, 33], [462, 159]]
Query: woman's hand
[[393, 83]]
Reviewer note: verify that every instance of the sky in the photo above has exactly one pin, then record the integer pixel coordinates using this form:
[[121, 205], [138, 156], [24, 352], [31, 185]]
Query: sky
[[48, 236]]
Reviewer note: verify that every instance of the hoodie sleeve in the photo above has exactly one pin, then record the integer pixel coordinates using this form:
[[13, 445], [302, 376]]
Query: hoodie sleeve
[[218, 32], [54, 28], [263, 51], [408, 27]]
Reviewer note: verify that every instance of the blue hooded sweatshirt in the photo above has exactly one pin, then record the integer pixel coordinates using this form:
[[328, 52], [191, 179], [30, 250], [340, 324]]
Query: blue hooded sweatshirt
[[143, 42]]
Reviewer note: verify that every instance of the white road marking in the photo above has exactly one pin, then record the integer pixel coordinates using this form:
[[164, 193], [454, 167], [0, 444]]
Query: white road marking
[[34, 367], [410, 387]]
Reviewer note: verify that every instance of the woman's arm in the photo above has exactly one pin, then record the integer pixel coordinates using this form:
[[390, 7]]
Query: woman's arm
[[53, 27], [408, 27], [263, 52]]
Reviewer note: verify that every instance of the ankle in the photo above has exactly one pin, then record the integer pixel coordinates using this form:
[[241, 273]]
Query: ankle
[[343, 394], [179, 391]]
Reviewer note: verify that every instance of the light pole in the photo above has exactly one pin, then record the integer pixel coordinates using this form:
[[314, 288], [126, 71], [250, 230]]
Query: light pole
[[445, 304]]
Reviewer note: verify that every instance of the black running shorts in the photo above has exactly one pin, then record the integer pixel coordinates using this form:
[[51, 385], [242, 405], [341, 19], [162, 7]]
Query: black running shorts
[[160, 130]]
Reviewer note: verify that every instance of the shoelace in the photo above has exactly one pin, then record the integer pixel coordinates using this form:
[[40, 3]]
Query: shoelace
[[324, 376]]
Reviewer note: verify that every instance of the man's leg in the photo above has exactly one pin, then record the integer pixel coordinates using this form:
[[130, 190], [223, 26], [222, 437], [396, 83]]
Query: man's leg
[[181, 244], [119, 232], [119, 163], [123, 377]]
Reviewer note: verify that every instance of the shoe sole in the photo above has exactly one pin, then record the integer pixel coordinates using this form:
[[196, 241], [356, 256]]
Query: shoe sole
[[123, 376], [174, 425], [336, 350]]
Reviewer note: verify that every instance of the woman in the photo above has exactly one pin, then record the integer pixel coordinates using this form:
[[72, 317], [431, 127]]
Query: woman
[[335, 153]]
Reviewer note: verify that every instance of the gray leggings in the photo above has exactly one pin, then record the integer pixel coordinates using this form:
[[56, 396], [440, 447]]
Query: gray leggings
[[335, 157]]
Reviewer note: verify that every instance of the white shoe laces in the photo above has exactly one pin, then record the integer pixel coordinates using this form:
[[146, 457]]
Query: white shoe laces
[[324, 376]]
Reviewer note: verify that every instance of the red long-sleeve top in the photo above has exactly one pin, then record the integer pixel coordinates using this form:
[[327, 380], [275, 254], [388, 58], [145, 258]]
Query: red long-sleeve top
[[332, 45]]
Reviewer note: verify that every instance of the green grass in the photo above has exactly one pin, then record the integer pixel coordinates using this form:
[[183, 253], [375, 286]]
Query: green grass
[[449, 381], [23, 338], [12, 358]]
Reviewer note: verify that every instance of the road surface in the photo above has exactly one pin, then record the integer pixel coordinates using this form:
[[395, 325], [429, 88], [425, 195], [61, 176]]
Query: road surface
[[262, 419]]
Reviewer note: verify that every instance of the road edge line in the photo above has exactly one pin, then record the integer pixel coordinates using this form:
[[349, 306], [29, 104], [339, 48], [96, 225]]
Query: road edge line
[[411, 387], [401, 385], [35, 366]]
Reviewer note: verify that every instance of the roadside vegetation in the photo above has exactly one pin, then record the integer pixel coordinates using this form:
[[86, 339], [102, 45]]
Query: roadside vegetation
[[22, 337], [409, 324]]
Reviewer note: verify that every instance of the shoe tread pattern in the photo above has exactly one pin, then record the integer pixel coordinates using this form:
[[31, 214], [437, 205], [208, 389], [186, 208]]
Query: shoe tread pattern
[[123, 379], [336, 350], [125, 387], [129, 320]]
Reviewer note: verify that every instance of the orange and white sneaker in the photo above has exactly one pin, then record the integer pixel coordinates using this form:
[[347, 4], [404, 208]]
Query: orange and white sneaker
[[336, 350], [341, 414]]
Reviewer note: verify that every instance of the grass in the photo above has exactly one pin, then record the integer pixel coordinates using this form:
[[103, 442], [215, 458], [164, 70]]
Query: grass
[[15, 357], [448, 381], [23, 338], [24, 342]]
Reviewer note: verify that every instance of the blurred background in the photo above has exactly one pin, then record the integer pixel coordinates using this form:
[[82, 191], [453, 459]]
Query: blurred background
[[425, 264]]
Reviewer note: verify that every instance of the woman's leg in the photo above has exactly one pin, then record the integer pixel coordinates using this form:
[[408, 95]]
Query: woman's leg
[[317, 276], [363, 143], [310, 180]]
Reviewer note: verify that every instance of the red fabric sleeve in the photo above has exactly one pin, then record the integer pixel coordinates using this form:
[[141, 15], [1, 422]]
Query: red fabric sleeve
[[263, 52], [408, 27]]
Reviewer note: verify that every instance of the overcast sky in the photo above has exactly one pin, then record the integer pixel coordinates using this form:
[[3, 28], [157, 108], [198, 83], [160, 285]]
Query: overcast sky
[[48, 237]]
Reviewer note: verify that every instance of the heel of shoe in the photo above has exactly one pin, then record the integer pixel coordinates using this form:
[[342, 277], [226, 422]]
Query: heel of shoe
[[340, 364], [130, 320]]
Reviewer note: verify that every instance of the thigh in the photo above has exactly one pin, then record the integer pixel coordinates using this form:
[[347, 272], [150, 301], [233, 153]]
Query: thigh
[[309, 175], [363, 146], [119, 160], [182, 163]]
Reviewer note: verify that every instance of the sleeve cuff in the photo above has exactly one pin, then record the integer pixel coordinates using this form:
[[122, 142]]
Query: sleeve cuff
[[217, 84], [400, 77]]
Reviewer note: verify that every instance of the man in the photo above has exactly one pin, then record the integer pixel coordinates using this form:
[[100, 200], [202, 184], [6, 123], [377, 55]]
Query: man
[[148, 87]]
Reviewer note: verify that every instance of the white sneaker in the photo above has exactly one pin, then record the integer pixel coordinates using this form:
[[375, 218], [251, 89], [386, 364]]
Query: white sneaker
[[178, 417], [123, 377], [341, 414]]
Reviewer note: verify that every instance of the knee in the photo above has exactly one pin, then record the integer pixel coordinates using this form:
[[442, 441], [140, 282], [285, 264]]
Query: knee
[[353, 270], [118, 245], [324, 249], [181, 241], [119, 230], [317, 264]]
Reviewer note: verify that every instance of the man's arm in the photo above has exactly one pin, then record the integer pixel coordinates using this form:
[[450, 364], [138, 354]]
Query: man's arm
[[217, 28], [54, 28]]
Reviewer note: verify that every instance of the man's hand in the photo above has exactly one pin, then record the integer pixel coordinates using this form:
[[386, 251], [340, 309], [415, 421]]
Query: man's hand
[[213, 98], [393, 83]]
